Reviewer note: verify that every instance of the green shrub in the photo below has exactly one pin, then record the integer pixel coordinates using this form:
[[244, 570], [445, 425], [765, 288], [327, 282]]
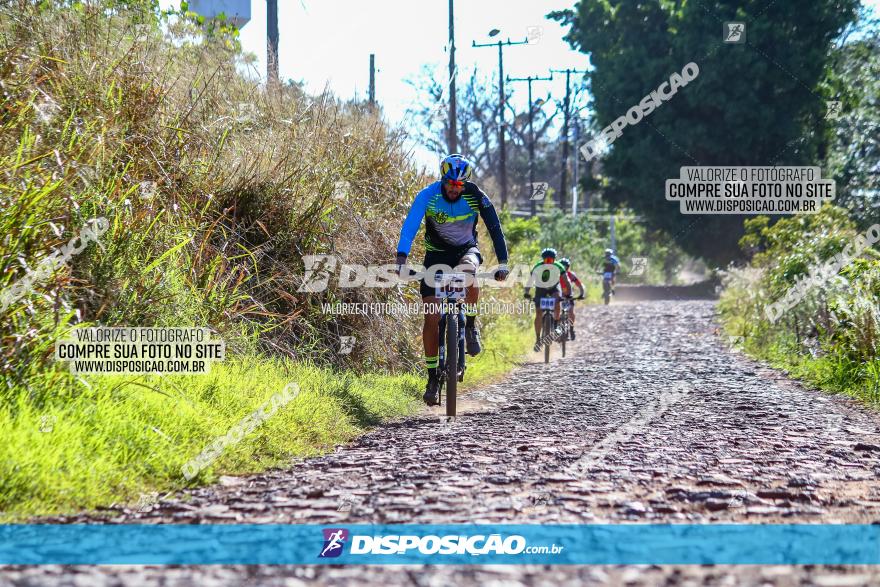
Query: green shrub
[[830, 337]]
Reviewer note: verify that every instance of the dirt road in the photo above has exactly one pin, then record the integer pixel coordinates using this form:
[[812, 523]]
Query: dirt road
[[651, 418]]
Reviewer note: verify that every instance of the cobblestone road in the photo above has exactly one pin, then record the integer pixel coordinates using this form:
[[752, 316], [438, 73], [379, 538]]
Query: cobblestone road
[[651, 418]]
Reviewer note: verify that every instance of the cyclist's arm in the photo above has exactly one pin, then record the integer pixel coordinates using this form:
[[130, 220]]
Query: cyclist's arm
[[531, 280], [493, 225], [413, 221], [574, 279], [563, 278]]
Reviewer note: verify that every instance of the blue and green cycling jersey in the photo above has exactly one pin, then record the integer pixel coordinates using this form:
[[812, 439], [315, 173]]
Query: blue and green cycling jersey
[[451, 226]]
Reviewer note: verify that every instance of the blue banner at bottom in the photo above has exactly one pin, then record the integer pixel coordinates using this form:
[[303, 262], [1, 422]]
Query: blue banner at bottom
[[298, 544]]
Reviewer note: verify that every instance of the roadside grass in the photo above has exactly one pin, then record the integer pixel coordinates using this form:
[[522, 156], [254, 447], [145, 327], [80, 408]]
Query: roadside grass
[[830, 336], [832, 373], [113, 438], [110, 111], [122, 436]]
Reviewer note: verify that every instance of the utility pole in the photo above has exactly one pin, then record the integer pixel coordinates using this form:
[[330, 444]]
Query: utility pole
[[453, 131], [272, 42], [613, 234], [372, 79], [563, 182], [577, 158], [501, 100], [577, 175], [531, 79]]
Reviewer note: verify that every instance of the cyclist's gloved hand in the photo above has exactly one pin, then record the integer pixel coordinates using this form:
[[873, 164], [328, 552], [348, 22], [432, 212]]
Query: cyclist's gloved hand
[[502, 272], [527, 294], [401, 262], [580, 297]]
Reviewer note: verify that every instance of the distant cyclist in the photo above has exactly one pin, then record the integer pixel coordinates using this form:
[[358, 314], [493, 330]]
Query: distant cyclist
[[611, 265], [450, 208], [546, 275], [567, 287]]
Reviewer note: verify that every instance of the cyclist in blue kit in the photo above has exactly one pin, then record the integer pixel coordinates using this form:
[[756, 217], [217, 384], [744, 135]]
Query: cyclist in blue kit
[[451, 208]]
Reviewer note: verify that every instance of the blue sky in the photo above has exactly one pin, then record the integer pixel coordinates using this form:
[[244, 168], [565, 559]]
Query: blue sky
[[327, 43]]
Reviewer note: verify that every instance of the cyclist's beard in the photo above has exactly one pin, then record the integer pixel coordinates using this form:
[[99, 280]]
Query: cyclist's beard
[[449, 197]]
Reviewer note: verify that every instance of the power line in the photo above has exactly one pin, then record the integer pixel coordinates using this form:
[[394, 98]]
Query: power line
[[563, 182], [501, 99], [531, 79]]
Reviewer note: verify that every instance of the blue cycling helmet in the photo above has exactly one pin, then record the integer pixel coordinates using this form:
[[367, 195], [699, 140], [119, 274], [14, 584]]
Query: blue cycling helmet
[[548, 253], [456, 168], [565, 262]]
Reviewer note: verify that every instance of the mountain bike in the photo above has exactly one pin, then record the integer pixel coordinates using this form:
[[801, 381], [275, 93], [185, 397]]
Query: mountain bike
[[450, 290]]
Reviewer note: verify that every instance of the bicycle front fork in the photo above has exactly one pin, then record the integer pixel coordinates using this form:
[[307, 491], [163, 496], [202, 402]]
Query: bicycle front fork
[[441, 334]]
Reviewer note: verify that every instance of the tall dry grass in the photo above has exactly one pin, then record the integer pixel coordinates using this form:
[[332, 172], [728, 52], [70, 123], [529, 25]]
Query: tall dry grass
[[214, 187]]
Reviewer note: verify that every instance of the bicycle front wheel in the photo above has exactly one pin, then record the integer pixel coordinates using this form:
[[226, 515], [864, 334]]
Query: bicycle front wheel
[[451, 364]]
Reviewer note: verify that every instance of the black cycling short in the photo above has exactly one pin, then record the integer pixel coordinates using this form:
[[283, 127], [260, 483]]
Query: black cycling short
[[469, 256], [541, 292]]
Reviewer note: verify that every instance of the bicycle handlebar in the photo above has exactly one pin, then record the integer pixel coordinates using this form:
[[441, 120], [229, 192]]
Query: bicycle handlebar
[[410, 277]]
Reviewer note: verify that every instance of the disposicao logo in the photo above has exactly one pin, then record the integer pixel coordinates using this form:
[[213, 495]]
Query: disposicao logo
[[334, 541]]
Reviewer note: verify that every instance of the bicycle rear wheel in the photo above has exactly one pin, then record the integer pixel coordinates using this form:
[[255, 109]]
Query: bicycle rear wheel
[[451, 363], [548, 326], [564, 322]]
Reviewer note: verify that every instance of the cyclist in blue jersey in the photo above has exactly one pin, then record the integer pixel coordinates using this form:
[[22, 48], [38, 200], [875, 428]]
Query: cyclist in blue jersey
[[450, 208], [611, 264]]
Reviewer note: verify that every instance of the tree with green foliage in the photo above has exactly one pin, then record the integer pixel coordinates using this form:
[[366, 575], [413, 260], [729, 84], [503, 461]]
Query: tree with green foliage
[[854, 154], [754, 103]]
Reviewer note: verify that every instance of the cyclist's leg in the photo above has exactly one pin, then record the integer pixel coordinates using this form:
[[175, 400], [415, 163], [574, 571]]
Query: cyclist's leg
[[557, 309], [430, 330], [570, 318], [470, 263], [539, 314], [431, 342]]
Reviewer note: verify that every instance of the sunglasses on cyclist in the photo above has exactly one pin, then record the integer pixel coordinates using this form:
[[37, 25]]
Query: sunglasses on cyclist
[[456, 184]]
